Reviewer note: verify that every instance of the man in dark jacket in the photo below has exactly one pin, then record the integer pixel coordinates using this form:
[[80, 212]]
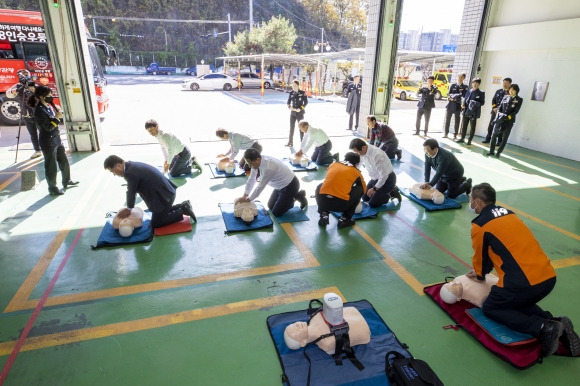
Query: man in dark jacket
[[474, 99], [383, 137], [426, 103], [155, 189], [353, 103], [448, 171], [506, 117], [453, 108], [495, 101]]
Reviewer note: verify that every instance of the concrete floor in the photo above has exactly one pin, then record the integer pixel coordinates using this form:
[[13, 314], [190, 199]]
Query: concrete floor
[[190, 309]]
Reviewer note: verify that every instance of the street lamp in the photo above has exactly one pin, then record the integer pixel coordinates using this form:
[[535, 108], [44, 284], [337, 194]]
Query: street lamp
[[320, 45]]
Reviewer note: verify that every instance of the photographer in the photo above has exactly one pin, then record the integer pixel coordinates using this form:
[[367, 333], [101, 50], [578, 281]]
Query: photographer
[[22, 91]]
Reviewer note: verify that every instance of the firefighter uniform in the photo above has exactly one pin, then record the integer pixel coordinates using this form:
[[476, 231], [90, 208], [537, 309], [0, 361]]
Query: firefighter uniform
[[296, 100]]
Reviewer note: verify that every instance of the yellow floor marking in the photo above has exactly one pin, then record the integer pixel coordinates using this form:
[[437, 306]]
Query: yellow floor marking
[[15, 176], [544, 160], [568, 262], [45, 259], [302, 248], [393, 264], [544, 223], [57, 339]]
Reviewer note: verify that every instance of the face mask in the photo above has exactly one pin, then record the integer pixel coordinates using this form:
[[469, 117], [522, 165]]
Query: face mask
[[472, 209], [48, 99]]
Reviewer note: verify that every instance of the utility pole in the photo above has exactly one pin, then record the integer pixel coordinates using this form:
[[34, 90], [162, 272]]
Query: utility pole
[[251, 14], [229, 29]]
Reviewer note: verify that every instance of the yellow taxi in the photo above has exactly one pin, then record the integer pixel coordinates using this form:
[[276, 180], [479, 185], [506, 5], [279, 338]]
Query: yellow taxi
[[405, 89], [442, 82]]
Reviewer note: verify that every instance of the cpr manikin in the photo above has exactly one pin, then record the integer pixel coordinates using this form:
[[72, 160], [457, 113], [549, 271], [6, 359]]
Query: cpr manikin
[[471, 290], [128, 224], [428, 194], [225, 165], [247, 211], [299, 160], [299, 334]]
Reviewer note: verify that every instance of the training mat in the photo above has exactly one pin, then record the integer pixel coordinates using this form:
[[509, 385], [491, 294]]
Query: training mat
[[293, 215], [428, 204], [297, 168], [323, 370], [177, 227], [235, 224], [238, 172], [110, 236], [496, 330], [461, 198], [367, 212], [520, 356]]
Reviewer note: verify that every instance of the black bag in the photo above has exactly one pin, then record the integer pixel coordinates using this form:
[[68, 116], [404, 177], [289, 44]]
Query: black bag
[[403, 371]]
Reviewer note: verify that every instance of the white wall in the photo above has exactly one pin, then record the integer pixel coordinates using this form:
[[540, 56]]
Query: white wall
[[533, 40]]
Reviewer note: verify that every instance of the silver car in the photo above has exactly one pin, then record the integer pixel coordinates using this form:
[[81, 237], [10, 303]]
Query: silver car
[[253, 80], [210, 82]]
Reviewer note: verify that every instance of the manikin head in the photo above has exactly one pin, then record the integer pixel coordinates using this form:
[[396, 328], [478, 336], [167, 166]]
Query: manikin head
[[126, 227], [359, 208], [296, 335], [451, 292], [438, 197], [247, 215]]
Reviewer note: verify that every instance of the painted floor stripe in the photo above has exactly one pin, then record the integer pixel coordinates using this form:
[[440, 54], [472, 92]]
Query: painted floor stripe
[[73, 336]]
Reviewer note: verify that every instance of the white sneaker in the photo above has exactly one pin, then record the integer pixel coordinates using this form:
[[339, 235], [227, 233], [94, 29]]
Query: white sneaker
[[36, 154]]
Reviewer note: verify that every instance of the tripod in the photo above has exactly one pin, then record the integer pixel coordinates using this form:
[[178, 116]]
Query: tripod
[[20, 122]]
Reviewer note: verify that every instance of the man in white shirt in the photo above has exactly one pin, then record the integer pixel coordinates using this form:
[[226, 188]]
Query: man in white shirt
[[322, 144], [177, 157], [271, 171], [237, 142], [382, 186]]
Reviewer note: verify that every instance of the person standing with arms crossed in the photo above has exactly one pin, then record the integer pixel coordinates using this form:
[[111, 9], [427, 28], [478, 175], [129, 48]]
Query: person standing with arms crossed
[[495, 101], [297, 101], [353, 91], [453, 108], [474, 99], [425, 104]]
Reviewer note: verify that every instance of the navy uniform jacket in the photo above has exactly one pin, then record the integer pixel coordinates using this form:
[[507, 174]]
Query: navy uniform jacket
[[476, 96], [445, 165], [354, 95], [297, 100], [498, 97], [454, 95], [427, 100], [510, 106], [156, 191], [47, 125]]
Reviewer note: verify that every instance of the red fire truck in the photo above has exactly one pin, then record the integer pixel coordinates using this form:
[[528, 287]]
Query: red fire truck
[[23, 46]]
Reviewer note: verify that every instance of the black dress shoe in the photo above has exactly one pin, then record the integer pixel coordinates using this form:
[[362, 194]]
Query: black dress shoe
[[396, 194], [70, 183], [490, 153], [345, 222], [187, 210], [485, 141], [460, 141], [289, 144], [56, 192]]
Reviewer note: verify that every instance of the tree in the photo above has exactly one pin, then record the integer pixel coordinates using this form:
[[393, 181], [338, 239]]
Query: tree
[[274, 37]]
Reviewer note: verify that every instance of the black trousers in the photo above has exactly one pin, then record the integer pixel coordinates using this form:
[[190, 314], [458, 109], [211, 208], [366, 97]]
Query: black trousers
[[295, 116], [390, 147], [452, 185], [170, 214], [502, 136], [327, 203], [467, 121], [457, 118], [351, 116], [33, 131], [517, 308], [420, 113], [282, 200], [256, 145], [54, 160], [490, 126], [181, 163], [321, 154], [383, 195]]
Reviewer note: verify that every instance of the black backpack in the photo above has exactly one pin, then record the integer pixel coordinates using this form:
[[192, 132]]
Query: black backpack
[[403, 371]]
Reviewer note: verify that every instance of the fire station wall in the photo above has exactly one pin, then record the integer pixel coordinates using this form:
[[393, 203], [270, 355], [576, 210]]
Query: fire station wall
[[529, 41]]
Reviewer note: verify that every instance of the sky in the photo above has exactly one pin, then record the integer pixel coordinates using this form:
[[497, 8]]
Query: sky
[[432, 15]]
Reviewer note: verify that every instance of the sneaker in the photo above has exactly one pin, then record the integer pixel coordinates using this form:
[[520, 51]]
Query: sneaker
[[549, 336], [345, 222], [187, 210], [468, 184], [569, 337], [485, 141], [336, 157], [323, 221], [396, 194], [399, 154], [301, 198], [36, 154]]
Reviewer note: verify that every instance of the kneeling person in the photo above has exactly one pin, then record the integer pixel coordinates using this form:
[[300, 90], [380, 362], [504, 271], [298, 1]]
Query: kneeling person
[[448, 171], [322, 144], [270, 171], [178, 159], [341, 190]]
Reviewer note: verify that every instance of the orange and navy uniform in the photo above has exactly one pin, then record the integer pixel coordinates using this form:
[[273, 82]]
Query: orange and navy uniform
[[502, 241], [339, 180]]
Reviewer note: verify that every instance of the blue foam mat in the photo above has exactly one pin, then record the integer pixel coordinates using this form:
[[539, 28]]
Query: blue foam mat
[[429, 205], [293, 215], [234, 224], [367, 212], [110, 236], [323, 369], [238, 172], [297, 168], [497, 330]]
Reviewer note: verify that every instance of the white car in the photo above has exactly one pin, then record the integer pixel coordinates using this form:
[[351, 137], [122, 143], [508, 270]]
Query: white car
[[211, 82], [253, 80]]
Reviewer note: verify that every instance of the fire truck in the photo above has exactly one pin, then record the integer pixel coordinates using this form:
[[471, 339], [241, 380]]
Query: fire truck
[[23, 46]]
